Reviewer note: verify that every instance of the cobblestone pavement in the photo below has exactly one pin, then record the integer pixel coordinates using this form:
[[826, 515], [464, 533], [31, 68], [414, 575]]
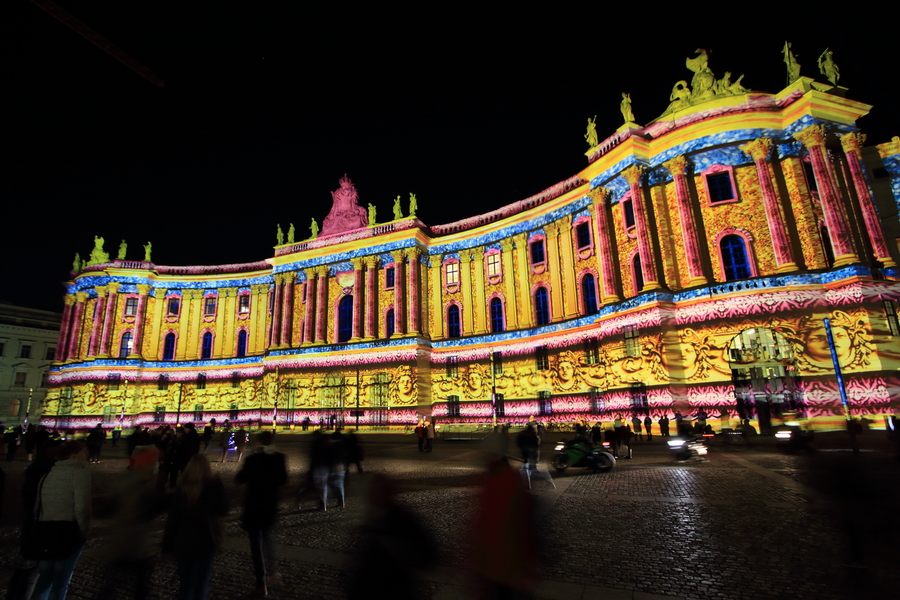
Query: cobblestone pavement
[[749, 523]]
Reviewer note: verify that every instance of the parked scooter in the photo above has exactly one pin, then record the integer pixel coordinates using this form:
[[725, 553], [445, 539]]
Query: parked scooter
[[581, 453], [690, 448]]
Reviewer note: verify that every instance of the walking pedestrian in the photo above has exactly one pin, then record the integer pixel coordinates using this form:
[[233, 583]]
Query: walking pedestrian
[[240, 440], [194, 529], [625, 440], [648, 426], [354, 452], [11, 439], [319, 466], [30, 437], [636, 425], [263, 473], [664, 426], [420, 434], [208, 432], [225, 439], [597, 433], [429, 435], [527, 442], [338, 465], [95, 440]]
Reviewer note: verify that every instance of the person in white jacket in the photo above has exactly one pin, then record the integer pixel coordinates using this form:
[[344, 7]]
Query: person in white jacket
[[65, 495]]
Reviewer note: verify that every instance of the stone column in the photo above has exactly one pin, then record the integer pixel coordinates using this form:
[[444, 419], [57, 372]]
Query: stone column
[[399, 296], [567, 261], [648, 265], [604, 246], [509, 280], [553, 270], [322, 306], [62, 345], [358, 285], [678, 167], [758, 150], [465, 286], [478, 296], [309, 318], [287, 309], [108, 319], [137, 339], [437, 288], [813, 137], [852, 143], [97, 323], [275, 342], [371, 297], [77, 324], [413, 286]]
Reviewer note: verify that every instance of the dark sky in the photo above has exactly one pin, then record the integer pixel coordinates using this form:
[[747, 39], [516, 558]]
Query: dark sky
[[266, 107]]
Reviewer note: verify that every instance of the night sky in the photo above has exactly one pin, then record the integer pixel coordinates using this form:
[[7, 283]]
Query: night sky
[[265, 107]]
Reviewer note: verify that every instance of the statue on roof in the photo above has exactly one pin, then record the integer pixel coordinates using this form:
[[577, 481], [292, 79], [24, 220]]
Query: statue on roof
[[98, 256], [279, 236], [148, 248], [291, 232], [680, 97], [398, 212], [793, 67], [123, 248], [313, 230], [828, 68], [591, 135], [345, 213], [625, 107], [76, 264], [726, 88], [371, 215], [413, 204], [703, 82]]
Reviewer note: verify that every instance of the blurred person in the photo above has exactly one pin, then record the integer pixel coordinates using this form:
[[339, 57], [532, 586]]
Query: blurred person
[[354, 452], [429, 436], [597, 433], [95, 440], [11, 439], [338, 465], [636, 427], [319, 466], [208, 432], [116, 434], [664, 426], [240, 441], [63, 494], [527, 441], [225, 439], [263, 473], [625, 440], [420, 435], [30, 437], [191, 442], [194, 529], [648, 426], [171, 462]]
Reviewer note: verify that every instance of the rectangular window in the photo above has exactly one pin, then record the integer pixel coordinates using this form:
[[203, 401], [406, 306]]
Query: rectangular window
[[537, 252], [162, 383], [235, 380], [112, 382], [174, 304], [542, 357], [891, 313], [500, 405], [628, 213], [198, 412], [596, 398], [810, 176], [452, 366], [592, 351], [131, 307], [452, 273], [389, 278], [497, 361], [2, 347], [545, 406], [453, 406], [201, 381], [632, 342], [720, 189], [244, 304], [45, 379], [583, 235], [159, 414], [493, 264], [50, 354], [209, 306], [19, 381], [25, 351]]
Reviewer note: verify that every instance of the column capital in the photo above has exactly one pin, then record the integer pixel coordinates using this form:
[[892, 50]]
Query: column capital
[[758, 149], [812, 136], [260, 288], [889, 148], [228, 291], [69, 299], [633, 174], [552, 229], [113, 287], [465, 256], [477, 254], [397, 255], [311, 273], [81, 297], [357, 263], [600, 195], [322, 272], [372, 261], [288, 277], [412, 253], [853, 142], [143, 289], [101, 291], [506, 244], [678, 165], [565, 226]]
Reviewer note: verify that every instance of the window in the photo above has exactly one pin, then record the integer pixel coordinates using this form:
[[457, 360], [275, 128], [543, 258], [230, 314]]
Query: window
[[125, 345], [201, 381], [169, 347], [596, 399], [628, 213], [244, 304], [242, 344], [45, 379], [632, 342], [890, 314], [389, 323], [162, 383], [235, 380], [20, 379], [131, 304], [542, 306], [583, 234], [592, 351], [2, 347], [112, 382], [493, 264], [637, 272], [271, 301], [826, 245], [500, 405], [451, 272], [453, 406], [537, 252], [497, 362], [734, 258], [198, 412], [389, 278], [497, 325], [345, 319], [15, 405], [639, 401], [159, 414], [206, 347], [588, 294], [545, 406], [173, 306], [25, 351], [453, 325], [50, 354], [719, 186], [233, 412], [209, 306], [542, 358], [452, 366]]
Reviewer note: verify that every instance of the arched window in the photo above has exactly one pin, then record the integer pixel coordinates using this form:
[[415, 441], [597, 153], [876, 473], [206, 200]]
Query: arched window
[[453, 328], [125, 346], [497, 325], [345, 319], [588, 294], [206, 348], [542, 306], [389, 323], [734, 258], [169, 347], [242, 344], [638, 273]]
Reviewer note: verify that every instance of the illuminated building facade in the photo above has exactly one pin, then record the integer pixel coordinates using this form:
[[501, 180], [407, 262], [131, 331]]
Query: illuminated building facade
[[688, 267]]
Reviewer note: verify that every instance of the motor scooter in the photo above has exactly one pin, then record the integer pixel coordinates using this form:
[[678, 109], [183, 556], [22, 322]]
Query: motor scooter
[[581, 453], [690, 448]]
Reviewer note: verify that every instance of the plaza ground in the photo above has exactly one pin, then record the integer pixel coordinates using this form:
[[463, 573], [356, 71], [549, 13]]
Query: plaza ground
[[749, 523]]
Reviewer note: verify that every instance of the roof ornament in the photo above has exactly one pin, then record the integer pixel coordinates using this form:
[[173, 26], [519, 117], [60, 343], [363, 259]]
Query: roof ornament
[[346, 213], [704, 85]]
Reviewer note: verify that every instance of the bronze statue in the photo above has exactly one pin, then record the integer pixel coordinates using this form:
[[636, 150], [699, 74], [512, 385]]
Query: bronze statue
[[413, 204], [793, 67], [291, 234], [371, 215], [279, 235], [98, 256], [314, 230]]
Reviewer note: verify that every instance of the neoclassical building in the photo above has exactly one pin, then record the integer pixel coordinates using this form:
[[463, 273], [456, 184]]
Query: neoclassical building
[[691, 265]]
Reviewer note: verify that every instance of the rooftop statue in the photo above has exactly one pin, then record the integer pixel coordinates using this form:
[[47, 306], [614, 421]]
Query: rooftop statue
[[591, 135], [98, 256], [371, 215], [313, 230], [413, 204], [345, 213], [828, 68], [625, 107], [703, 82], [76, 264], [793, 67], [123, 248], [680, 97], [148, 248], [279, 236], [398, 212], [704, 85], [291, 232]]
